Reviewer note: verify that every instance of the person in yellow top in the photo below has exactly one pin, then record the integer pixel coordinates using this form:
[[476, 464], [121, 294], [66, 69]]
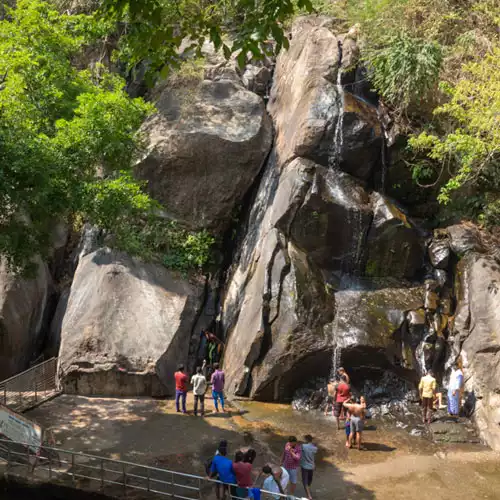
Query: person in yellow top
[[427, 388]]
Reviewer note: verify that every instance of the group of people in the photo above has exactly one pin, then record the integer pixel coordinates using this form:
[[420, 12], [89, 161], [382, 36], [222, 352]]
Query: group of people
[[241, 482], [431, 399], [344, 407], [200, 384]]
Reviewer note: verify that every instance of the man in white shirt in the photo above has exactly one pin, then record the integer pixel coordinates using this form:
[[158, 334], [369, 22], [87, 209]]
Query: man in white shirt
[[199, 383], [275, 482]]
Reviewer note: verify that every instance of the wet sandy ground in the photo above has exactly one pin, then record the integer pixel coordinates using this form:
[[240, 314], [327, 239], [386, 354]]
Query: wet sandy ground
[[395, 465]]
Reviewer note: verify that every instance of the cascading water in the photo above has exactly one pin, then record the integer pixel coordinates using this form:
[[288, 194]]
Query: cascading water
[[335, 152]]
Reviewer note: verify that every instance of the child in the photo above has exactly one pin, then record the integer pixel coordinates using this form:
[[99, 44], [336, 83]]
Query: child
[[347, 428]]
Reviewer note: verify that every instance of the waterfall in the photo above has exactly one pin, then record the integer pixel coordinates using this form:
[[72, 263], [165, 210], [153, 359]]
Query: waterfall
[[383, 158], [335, 152], [335, 361]]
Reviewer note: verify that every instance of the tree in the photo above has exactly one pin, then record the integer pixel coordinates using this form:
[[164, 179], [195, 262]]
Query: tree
[[155, 29], [471, 148], [66, 135]]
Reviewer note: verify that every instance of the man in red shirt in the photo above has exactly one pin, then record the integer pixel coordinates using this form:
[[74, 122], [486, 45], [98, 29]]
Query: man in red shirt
[[181, 381], [343, 394]]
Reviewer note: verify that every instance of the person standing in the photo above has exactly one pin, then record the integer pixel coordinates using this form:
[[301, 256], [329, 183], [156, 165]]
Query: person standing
[[427, 389], [243, 472], [218, 382], [291, 461], [357, 412], [343, 376], [199, 383], [181, 381], [330, 398], [275, 482], [343, 395], [455, 390], [309, 450], [222, 467]]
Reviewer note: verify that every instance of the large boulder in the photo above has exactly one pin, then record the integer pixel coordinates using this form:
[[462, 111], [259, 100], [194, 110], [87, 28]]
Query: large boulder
[[305, 233], [205, 146], [23, 303], [464, 238], [126, 326], [309, 107], [477, 332], [394, 246]]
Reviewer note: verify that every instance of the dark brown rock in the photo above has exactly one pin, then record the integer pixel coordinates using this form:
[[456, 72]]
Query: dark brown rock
[[22, 307], [393, 246], [439, 253], [464, 238]]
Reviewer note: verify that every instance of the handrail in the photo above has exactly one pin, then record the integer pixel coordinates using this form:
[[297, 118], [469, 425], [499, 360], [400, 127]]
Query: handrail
[[30, 387], [31, 368], [162, 482]]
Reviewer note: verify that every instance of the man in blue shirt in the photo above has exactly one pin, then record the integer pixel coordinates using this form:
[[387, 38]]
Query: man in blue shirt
[[223, 468]]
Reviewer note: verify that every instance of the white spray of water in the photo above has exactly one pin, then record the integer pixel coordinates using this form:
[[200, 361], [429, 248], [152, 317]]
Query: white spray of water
[[334, 156]]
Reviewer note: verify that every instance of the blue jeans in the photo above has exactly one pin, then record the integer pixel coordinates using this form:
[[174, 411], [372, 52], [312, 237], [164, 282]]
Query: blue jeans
[[179, 395], [218, 395]]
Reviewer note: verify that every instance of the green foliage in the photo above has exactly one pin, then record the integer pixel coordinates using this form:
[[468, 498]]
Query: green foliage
[[155, 29], [471, 150], [404, 69], [167, 243], [410, 45], [68, 139]]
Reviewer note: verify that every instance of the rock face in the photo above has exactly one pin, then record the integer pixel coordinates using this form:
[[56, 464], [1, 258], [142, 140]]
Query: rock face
[[306, 104], [22, 307], [477, 334], [206, 145], [310, 234], [126, 327]]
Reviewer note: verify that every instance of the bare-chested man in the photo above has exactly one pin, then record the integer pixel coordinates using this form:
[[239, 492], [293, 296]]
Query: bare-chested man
[[330, 399], [357, 411]]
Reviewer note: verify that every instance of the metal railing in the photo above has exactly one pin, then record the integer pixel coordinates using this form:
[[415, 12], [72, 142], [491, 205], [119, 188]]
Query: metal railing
[[31, 387], [90, 472]]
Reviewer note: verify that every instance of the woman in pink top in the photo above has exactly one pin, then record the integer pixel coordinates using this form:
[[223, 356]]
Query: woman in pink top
[[291, 461]]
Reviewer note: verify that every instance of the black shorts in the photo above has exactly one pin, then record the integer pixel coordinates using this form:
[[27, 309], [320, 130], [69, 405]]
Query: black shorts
[[307, 477], [338, 409]]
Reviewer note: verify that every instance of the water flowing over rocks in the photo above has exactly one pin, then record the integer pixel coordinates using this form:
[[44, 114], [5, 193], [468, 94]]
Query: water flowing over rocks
[[312, 235], [126, 326]]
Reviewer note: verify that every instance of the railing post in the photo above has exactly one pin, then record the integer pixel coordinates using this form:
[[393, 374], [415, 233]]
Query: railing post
[[199, 487], [50, 465], [148, 472], [73, 468], [124, 480], [102, 475], [8, 456], [28, 459], [173, 486]]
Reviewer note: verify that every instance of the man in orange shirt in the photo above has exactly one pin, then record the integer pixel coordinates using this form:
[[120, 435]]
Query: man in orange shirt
[[181, 381]]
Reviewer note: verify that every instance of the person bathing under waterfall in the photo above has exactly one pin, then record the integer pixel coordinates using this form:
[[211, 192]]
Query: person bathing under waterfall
[[343, 394], [330, 398], [357, 413]]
